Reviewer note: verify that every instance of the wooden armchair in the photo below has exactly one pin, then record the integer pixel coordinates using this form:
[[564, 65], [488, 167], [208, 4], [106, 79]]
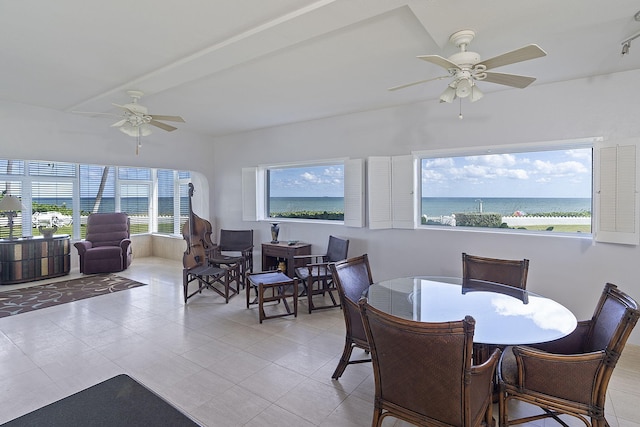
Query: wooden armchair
[[570, 375], [423, 371], [352, 278], [235, 247], [315, 275]]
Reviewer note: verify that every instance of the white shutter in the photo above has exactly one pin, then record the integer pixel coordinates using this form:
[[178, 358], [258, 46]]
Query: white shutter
[[616, 198], [249, 194], [354, 193], [403, 191], [379, 192]]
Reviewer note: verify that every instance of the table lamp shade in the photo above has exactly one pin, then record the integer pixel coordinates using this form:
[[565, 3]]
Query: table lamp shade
[[10, 203]]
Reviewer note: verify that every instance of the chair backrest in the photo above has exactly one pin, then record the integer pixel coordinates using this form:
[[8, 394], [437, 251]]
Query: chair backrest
[[337, 249], [421, 367], [613, 320], [503, 271], [235, 240], [352, 277], [107, 229]]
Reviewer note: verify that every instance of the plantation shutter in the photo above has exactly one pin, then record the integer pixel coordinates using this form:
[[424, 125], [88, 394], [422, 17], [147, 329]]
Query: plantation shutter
[[403, 191], [616, 198], [379, 192], [392, 192], [249, 194], [354, 213]]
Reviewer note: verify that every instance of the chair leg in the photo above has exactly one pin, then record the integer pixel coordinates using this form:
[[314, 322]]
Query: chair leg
[[344, 360]]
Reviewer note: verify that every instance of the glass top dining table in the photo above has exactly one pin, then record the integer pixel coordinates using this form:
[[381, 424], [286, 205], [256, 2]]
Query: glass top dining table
[[504, 315]]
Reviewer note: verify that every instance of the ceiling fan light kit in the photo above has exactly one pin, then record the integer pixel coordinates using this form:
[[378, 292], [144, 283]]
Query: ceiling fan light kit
[[466, 68]]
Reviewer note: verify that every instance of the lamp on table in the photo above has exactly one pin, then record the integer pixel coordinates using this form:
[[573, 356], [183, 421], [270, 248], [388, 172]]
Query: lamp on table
[[10, 205]]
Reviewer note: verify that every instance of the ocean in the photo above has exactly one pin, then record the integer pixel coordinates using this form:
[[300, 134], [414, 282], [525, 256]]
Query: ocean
[[431, 206], [444, 206], [132, 205]]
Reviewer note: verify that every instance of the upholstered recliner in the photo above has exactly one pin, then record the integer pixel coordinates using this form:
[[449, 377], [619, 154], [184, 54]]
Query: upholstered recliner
[[107, 247]]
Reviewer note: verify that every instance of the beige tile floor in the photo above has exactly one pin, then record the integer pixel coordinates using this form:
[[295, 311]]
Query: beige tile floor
[[213, 360]]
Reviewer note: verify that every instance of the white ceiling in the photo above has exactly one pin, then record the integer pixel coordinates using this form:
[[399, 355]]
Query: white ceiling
[[229, 66]]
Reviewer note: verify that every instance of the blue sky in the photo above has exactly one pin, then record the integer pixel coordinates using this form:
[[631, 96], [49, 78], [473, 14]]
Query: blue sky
[[562, 173], [316, 181]]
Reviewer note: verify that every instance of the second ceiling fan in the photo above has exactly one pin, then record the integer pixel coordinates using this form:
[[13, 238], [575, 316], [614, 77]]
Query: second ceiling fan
[[466, 68]]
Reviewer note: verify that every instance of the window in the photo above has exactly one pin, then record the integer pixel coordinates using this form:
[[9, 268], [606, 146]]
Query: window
[[64, 194], [306, 192], [328, 190], [548, 189]]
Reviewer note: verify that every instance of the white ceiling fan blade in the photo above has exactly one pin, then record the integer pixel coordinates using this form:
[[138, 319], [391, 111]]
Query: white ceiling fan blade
[[439, 60], [418, 82], [91, 113], [161, 125], [525, 53], [119, 123], [168, 118], [512, 80]]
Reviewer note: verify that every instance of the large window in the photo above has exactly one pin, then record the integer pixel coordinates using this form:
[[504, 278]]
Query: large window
[[306, 192], [548, 190], [64, 194]]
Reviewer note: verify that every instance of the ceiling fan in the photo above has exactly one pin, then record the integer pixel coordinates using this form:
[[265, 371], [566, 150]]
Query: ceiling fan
[[135, 119], [467, 68]]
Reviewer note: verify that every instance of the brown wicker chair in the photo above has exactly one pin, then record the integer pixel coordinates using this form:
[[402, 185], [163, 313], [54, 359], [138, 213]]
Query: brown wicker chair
[[504, 271], [352, 277], [423, 371], [570, 375], [315, 275]]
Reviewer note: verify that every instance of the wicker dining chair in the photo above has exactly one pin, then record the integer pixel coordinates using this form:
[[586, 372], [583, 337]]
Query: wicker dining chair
[[570, 375], [423, 371], [503, 271], [352, 278]]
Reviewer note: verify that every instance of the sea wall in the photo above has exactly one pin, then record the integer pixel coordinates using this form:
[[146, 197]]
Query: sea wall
[[519, 221]]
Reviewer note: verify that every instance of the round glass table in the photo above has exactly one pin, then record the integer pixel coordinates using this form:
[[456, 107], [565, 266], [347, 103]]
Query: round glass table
[[504, 315]]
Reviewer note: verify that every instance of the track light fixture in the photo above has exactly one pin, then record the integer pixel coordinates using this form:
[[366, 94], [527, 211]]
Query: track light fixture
[[626, 44]]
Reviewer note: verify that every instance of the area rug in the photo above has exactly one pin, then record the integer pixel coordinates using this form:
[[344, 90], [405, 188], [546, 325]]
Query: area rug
[[35, 297], [118, 401]]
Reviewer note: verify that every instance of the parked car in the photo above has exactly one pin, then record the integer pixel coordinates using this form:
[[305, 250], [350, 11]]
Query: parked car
[[51, 218]]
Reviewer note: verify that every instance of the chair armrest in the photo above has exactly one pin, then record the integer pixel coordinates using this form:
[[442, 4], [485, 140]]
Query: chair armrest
[[125, 244], [82, 246], [547, 373], [311, 258], [481, 384], [569, 344]]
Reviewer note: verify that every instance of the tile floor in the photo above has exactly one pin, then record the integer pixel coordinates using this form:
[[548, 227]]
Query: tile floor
[[213, 360]]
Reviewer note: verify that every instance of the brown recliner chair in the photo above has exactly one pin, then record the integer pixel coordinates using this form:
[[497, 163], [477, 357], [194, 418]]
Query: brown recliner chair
[[107, 246]]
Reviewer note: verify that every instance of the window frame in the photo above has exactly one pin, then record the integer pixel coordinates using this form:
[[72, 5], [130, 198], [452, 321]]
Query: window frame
[[26, 180], [256, 191], [579, 143]]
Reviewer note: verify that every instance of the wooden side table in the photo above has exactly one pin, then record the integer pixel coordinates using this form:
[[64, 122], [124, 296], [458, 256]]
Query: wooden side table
[[273, 253]]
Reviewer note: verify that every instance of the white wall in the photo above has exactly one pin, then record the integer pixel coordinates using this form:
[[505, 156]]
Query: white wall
[[571, 270]]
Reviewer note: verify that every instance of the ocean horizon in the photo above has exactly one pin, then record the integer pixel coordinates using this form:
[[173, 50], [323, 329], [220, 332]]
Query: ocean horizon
[[445, 206], [431, 206]]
